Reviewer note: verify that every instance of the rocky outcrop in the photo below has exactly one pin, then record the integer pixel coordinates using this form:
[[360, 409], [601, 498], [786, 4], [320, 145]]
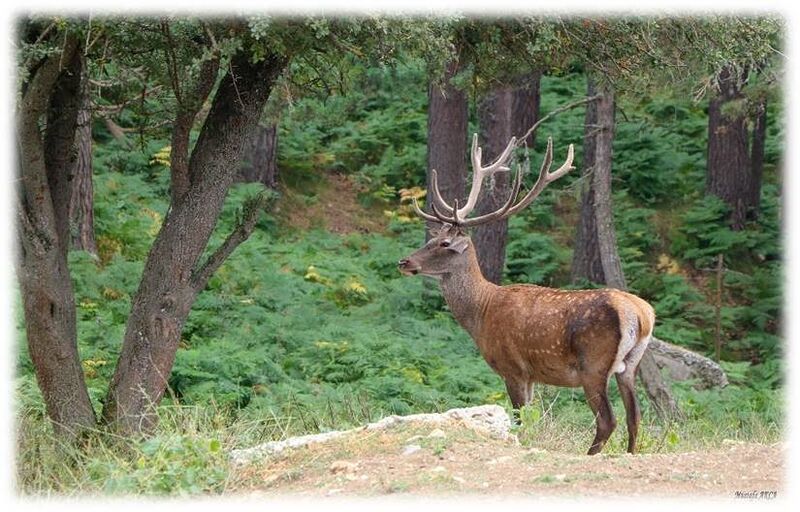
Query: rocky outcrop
[[490, 419]]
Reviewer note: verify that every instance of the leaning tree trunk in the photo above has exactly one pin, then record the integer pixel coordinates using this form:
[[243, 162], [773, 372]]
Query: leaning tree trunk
[[447, 140], [729, 168], [596, 238], [173, 274], [53, 89], [81, 205], [260, 162]]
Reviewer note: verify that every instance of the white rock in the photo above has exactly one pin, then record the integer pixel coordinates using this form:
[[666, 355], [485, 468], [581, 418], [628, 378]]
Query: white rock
[[437, 433], [412, 448], [491, 419]]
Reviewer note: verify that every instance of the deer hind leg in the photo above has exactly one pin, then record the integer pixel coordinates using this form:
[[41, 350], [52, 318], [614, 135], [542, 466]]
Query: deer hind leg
[[597, 396], [625, 382]]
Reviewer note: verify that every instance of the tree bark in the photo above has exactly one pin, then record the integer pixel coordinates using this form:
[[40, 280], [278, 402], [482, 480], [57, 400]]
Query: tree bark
[[495, 114], [81, 205], [597, 258], [729, 173], [757, 156], [260, 162], [173, 274], [504, 112], [43, 216], [447, 140], [586, 261]]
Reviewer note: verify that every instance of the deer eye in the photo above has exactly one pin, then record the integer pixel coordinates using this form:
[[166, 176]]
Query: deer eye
[[444, 243]]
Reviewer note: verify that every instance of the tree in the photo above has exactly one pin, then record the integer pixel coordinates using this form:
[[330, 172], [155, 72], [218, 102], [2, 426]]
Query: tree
[[260, 162], [447, 137], [173, 273], [730, 169], [596, 257], [81, 203], [494, 113], [506, 111], [51, 91]]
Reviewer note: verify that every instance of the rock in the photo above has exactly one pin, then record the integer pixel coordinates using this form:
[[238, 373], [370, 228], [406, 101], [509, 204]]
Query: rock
[[500, 460], [437, 433], [343, 466], [491, 419], [412, 448], [439, 469]]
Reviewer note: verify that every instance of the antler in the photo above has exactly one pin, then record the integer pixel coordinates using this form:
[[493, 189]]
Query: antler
[[456, 216]]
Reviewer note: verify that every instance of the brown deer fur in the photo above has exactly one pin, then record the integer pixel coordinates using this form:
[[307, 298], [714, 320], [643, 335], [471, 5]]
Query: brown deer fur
[[531, 333]]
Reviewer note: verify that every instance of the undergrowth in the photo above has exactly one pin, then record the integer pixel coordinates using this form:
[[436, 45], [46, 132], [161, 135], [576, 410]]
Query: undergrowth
[[308, 331]]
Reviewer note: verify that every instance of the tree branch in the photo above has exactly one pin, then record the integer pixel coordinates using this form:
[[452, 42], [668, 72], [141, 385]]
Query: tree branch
[[244, 228], [568, 106]]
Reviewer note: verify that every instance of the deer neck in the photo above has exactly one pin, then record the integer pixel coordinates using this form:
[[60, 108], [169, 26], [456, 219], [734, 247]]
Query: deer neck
[[467, 294]]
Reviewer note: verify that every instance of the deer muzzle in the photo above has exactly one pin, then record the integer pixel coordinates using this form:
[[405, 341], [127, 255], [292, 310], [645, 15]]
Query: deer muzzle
[[408, 267]]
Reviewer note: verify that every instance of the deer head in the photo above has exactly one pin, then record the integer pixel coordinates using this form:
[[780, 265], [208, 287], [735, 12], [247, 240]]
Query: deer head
[[450, 250]]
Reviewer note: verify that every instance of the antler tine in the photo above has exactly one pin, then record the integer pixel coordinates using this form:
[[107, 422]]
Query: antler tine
[[499, 214], [437, 194], [422, 214], [545, 176], [441, 217], [479, 172]]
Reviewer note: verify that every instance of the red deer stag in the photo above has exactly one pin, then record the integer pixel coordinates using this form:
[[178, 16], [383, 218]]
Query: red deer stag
[[529, 333]]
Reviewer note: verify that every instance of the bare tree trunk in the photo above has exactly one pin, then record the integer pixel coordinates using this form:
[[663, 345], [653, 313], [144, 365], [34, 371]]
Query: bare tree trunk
[[43, 216], [757, 156], [597, 258], [495, 113], [81, 206], [729, 174], [504, 112], [260, 163], [447, 139], [586, 260], [173, 274]]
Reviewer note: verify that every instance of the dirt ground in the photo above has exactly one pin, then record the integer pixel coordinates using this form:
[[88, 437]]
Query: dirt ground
[[335, 208], [467, 462]]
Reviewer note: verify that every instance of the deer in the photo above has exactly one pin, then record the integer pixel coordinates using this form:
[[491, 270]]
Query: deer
[[528, 333]]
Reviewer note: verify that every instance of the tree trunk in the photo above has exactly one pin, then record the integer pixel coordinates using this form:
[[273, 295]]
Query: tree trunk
[[586, 261], [757, 156], [259, 163], [173, 274], [729, 173], [495, 113], [447, 140], [42, 211], [504, 112], [597, 258], [81, 205]]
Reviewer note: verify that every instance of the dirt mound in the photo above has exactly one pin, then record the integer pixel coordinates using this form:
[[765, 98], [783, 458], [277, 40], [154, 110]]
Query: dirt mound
[[435, 459]]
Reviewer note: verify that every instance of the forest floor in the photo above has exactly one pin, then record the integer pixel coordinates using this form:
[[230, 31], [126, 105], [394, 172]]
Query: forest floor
[[468, 462]]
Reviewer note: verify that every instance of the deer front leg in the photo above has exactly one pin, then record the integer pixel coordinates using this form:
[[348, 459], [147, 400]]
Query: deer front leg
[[519, 391]]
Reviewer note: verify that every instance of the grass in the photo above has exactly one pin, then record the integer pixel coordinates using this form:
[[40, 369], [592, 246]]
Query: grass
[[187, 453]]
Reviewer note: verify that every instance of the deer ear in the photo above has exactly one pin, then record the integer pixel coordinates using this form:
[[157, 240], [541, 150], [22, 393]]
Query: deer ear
[[459, 244]]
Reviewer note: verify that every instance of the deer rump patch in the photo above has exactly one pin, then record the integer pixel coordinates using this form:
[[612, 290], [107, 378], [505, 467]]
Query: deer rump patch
[[594, 331]]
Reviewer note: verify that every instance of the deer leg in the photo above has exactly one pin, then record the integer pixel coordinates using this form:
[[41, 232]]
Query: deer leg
[[597, 396], [625, 382], [518, 392]]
